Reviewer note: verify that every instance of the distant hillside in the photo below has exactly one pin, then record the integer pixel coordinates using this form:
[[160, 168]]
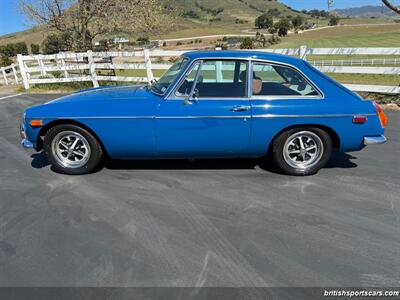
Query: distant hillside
[[367, 11], [247, 9], [196, 15]]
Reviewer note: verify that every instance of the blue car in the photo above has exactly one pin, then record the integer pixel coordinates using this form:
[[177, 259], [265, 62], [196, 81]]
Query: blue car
[[213, 104]]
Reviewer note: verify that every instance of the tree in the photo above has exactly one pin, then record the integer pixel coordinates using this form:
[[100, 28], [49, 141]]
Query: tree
[[297, 21], [21, 48], [283, 27], [333, 21], [391, 6], [5, 61], [264, 21], [84, 20], [35, 49], [247, 43], [8, 50]]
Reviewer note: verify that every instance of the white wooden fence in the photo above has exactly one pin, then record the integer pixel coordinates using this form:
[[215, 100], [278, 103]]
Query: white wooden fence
[[93, 66]]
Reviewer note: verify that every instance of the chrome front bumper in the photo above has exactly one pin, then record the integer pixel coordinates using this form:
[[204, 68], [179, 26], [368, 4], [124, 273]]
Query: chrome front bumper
[[25, 142], [372, 140]]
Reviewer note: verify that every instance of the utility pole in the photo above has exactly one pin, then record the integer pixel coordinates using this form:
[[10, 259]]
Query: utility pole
[[331, 3]]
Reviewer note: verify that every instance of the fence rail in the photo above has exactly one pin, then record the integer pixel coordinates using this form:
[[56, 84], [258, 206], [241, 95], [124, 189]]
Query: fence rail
[[106, 66]]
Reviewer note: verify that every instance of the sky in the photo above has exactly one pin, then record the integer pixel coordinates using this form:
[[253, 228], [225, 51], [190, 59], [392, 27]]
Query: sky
[[12, 21]]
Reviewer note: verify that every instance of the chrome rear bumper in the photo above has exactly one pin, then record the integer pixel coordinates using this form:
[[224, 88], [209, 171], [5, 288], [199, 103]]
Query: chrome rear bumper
[[371, 140]]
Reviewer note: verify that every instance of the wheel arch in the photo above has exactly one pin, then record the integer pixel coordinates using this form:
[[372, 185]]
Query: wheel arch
[[332, 133], [48, 126]]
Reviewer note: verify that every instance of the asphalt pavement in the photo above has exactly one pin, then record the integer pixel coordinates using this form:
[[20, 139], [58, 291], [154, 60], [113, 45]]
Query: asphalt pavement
[[202, 223]]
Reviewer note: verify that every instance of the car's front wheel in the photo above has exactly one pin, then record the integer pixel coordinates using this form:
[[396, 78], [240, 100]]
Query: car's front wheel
[[302, 151], [72, 150]]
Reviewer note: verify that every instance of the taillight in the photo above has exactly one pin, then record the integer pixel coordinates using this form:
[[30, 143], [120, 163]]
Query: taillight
[[382, 117]]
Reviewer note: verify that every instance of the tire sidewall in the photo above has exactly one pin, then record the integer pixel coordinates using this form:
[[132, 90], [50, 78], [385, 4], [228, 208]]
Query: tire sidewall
[[280, 162], [95, 150]]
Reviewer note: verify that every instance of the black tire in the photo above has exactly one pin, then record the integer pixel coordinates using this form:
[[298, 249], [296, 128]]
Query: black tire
[[296, 164], [86, 144]]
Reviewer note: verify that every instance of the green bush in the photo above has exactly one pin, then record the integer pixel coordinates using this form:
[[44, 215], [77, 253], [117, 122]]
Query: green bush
[[35, 49], [247, 43]]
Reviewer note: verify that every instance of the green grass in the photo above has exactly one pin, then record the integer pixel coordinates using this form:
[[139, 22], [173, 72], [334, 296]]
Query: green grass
[[350, 57], [346, 36], [366, 78]]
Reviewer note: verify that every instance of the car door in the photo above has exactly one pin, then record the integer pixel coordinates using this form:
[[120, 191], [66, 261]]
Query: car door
[[216, 121]]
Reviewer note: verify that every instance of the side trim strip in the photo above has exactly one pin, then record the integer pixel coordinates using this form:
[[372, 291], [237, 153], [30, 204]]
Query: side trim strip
[[309, 116], [214, 117]]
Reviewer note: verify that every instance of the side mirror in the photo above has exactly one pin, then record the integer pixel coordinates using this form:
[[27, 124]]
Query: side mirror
[[187, 101], [191, 99]]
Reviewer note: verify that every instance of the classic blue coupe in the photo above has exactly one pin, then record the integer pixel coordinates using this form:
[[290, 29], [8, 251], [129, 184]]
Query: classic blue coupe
[[214, 104]]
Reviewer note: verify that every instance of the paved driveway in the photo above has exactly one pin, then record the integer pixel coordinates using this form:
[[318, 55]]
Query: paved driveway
[[204, 223]]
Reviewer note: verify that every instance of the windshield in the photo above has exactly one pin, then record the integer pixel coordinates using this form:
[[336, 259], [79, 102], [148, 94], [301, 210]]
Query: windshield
[[161, 86]]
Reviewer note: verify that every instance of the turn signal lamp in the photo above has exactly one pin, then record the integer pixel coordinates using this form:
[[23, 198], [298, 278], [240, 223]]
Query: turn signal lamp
[[382, 117], [36, 123]]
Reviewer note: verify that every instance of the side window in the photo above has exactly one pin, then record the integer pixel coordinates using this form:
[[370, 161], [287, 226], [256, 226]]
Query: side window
[[274, 80], [218, 79]]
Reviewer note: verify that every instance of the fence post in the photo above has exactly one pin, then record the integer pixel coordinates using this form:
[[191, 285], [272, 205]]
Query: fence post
[[147, 62], [64, 66], [22, 70], [4, 75], [303, 52], [15, 73], [92, 69], [41, 66]]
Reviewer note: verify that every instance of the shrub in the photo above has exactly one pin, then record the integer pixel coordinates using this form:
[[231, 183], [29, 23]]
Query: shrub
[[55, 43], [5, 61], [247, 43], [21, 48], [35, 49], [333, 21]]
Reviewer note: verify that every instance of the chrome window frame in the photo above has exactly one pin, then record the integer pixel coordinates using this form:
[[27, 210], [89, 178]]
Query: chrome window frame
[[285, 97], [201, 62], [170, 95]]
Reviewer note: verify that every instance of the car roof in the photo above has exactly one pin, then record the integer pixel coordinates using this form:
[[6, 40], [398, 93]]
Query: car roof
[[263, 55]]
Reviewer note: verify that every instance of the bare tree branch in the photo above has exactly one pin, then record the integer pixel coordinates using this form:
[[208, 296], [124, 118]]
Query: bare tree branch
[[391, 6], [86, 19]]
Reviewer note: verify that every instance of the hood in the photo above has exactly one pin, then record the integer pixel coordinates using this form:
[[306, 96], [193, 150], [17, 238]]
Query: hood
[[105, 93], [98, 102]]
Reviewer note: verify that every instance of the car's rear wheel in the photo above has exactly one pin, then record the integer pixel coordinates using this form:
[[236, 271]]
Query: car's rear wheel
[[72, 150], [302, 151]]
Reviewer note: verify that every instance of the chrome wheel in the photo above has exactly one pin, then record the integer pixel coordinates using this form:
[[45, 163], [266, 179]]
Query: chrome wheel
[[303, 150], [70, 149]]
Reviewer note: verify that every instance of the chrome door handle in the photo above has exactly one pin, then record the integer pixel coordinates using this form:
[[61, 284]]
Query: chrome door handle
[[240, 108]]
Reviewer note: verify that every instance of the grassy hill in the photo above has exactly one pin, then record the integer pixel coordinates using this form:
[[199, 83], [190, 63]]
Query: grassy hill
[[209, 17], [232, 9], [200, 16], [373, 35]]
